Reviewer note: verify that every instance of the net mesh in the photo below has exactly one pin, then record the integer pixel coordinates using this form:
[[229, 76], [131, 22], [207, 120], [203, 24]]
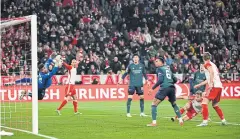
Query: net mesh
[[15, 76]]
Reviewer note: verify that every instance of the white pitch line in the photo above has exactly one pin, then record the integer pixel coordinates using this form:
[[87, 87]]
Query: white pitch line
[[210, 121], [93, 115], [25, 131], [52, 116]]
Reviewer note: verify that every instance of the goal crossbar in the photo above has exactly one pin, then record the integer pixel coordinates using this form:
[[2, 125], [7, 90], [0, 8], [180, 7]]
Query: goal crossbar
[[14, 21]]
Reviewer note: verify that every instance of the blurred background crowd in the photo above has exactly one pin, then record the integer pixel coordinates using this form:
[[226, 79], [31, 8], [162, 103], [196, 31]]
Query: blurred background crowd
[[103, 35]]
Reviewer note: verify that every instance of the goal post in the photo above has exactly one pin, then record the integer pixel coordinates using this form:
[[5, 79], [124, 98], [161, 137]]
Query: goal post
[[34, 74], [10, 23]]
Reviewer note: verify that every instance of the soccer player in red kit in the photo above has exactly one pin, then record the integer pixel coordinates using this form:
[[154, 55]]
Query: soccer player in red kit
[[70, 90], [192, 108], [214, 92]]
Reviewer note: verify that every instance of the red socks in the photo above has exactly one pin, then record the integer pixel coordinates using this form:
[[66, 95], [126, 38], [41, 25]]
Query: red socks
[[181, 112], [62, 105], [75, 105], [219, 112], [205, 111]]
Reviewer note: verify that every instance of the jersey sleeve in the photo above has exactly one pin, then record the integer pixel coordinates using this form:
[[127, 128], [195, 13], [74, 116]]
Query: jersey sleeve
[[174, 78], [207, 65], [48, 62], [160, 75], [128, 70], [69, 67], [144, 73]]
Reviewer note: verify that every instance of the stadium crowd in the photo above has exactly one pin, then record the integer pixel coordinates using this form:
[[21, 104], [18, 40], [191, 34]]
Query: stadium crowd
[[104, 34]]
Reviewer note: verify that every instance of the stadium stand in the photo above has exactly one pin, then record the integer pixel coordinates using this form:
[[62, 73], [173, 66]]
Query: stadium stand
[[104, 34]]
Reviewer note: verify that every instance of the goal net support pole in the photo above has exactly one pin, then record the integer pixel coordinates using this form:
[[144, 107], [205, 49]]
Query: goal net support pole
[[33, 20]]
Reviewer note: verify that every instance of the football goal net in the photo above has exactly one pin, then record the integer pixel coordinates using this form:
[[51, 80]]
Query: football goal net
[[18, 63]]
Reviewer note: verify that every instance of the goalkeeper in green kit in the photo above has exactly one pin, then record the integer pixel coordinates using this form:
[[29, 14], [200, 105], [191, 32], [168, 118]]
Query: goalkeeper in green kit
[[136, 72]]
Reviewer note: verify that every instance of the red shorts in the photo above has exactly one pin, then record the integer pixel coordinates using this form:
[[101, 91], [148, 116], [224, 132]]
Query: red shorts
[[215, 94], [191, 112], [70, 90]]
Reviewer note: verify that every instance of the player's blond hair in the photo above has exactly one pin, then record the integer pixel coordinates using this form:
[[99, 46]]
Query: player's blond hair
[[207, 56]]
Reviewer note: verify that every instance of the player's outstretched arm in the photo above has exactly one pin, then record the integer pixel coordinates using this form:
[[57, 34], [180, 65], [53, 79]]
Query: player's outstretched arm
[[186, 97], [182, 97], [51, 59], [53, 72], [69, 67], [201, 84], [48, 62]]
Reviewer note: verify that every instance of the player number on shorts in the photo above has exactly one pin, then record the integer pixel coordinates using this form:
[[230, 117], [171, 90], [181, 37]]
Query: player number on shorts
[[168, 74]]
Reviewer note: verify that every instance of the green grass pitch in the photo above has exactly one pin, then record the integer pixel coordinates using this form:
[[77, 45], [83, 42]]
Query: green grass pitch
[[107, 120]]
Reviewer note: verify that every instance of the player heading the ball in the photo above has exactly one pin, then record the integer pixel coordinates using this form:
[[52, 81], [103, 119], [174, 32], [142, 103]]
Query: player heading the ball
[[70, 92]]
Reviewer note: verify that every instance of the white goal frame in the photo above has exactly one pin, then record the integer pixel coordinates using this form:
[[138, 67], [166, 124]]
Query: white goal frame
[[33, 20]]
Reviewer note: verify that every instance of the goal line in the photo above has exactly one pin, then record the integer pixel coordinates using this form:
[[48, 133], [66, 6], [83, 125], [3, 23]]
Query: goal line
[[28, 132]]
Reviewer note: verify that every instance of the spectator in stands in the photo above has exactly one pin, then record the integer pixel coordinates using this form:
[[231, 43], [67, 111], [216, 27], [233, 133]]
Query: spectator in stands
[[79, 29], [185, 60], [115, 65], [93, 70]]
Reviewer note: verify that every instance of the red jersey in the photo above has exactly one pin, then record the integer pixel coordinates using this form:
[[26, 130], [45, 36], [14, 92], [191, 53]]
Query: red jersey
[[72, 72]]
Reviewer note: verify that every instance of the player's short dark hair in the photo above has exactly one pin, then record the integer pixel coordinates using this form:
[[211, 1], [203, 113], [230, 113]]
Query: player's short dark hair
[[70, 62], [40, 66], [136, 55], [161, 58], [207, 56]]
